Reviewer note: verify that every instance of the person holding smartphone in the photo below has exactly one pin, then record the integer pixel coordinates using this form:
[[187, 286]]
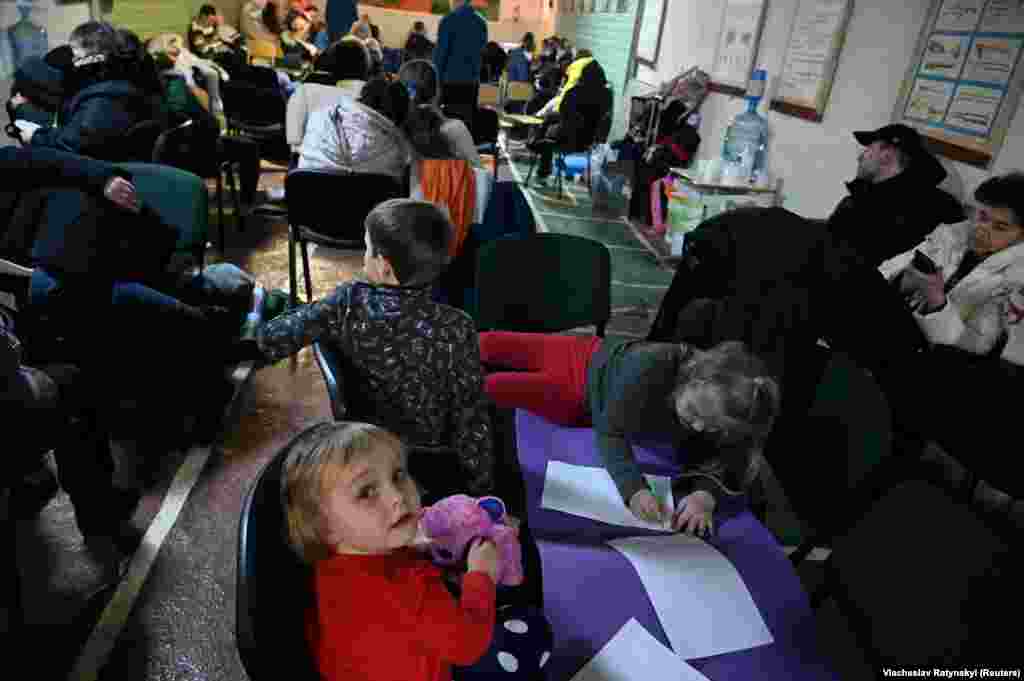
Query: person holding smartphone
[[965, 285], [960, 281]]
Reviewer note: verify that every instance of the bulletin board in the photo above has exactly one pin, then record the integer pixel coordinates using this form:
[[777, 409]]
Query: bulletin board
[[812, 55], [962, 86]]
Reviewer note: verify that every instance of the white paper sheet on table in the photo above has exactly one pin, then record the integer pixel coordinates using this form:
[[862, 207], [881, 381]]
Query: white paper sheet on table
[[589, 492], [702, 603], [634, 655]]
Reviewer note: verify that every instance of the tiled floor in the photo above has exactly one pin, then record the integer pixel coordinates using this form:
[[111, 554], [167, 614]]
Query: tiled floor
[[180, 625]]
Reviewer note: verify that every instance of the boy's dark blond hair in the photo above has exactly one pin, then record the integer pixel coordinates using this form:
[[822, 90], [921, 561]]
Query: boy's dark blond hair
[[310, 469]]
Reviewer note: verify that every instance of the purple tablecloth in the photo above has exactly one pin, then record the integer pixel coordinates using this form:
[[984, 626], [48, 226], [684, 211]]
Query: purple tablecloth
[[591, 590]]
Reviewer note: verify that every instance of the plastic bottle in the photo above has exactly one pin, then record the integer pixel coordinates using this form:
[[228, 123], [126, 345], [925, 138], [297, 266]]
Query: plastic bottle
[[744, 148], [27, 39], [255, 315]]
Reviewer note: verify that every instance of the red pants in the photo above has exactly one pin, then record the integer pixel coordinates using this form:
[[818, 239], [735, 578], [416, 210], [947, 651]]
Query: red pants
[[551, 376]]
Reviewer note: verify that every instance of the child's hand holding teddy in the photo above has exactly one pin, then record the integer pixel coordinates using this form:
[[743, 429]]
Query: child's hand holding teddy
[[453, 527]]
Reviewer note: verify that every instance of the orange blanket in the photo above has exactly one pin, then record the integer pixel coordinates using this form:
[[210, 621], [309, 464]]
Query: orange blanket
[[451, 183]]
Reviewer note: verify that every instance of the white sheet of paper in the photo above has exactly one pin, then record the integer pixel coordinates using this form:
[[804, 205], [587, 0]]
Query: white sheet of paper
[[634, 655], [702, 603], [589, 492]]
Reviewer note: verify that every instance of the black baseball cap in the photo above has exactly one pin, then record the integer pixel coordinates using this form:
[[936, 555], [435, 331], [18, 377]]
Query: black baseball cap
[[903, 137]]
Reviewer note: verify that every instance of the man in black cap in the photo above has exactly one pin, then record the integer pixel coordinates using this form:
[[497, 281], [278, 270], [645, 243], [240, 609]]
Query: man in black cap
[[894, 201]]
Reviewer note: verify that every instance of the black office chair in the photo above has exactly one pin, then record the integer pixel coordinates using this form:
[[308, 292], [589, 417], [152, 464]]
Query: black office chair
[[273, 587], [255, 106], [330, 364], [187, 147], [920, 578], [568, 284], [485, 135], [138, 142], [312, 218], [591, 127]]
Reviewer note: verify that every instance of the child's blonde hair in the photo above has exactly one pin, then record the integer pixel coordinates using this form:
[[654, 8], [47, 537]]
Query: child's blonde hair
[[304, 480], [747, 401]]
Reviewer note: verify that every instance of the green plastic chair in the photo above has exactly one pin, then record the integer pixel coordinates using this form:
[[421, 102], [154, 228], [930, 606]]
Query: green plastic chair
[[180, 198], [543, 283]]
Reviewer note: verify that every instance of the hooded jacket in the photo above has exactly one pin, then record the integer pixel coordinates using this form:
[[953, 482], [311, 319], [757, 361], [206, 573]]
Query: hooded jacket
[[984, 312], [94, 120], [56, 217], [885, 219], [584, 106], [573, 75], [352, 136]]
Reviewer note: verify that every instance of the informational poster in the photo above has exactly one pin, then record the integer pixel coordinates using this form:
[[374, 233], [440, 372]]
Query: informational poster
[[738, 41], [930, 100], [1003, 16], [991, 60], [811, 57], [959, 15], [974, 108], [962, 77], [946, 55]]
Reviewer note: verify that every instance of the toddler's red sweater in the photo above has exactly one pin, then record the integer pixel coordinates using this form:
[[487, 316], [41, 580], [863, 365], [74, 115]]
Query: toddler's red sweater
[[390, 618]]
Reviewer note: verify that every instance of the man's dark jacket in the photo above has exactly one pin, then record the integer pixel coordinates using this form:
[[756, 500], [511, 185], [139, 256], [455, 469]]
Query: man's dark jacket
[[888, 218], [53, 215], [95, 120]]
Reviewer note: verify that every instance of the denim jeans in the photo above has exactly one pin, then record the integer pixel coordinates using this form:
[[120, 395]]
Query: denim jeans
[[122, 330]]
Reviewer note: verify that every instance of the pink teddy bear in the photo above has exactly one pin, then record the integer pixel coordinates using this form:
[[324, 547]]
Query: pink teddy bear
[[454, 522]]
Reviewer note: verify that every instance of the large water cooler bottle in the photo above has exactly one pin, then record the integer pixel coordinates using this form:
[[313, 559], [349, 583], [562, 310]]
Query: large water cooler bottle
[[744, 149], [27, 38]]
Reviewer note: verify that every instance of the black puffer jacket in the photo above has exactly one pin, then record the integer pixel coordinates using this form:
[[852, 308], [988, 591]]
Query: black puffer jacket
[[53, 214], [584, 108], [414, 365], [888, 218], [94, 121]]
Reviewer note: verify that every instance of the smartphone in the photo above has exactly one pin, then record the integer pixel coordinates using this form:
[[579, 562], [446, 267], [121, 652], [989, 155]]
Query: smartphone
[[922, 263]]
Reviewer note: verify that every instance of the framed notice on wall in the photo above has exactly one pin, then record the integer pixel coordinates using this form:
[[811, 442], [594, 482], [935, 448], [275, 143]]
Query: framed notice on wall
[[737, 46], [812, 55], [962, 85], [652, 21]]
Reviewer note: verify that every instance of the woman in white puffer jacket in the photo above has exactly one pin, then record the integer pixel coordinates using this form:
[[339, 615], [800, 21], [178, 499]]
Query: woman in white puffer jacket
[[971, 309], [976, 300]]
